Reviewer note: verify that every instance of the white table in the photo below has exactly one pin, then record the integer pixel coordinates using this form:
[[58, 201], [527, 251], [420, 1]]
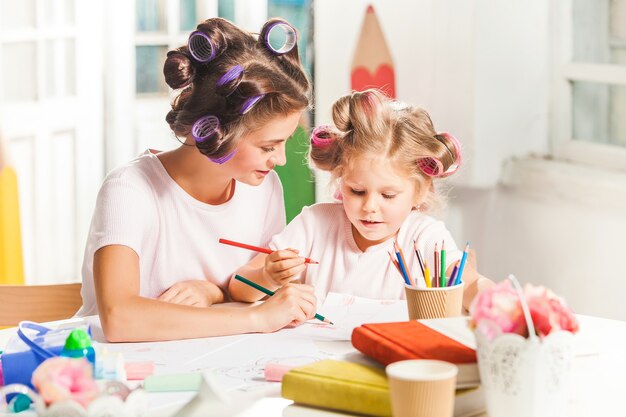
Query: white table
[[599, 368]]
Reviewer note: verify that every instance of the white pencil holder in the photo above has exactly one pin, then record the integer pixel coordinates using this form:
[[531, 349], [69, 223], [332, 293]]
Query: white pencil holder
[[525, 377]]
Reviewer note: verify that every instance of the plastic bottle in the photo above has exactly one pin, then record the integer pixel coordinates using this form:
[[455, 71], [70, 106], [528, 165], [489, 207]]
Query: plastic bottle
[[78, 345]]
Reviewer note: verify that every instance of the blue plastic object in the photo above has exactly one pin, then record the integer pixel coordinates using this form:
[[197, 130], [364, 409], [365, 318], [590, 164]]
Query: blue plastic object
[[33, 344]]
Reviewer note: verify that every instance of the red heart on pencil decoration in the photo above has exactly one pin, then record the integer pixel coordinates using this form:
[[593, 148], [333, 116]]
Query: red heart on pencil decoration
[[384, 79]]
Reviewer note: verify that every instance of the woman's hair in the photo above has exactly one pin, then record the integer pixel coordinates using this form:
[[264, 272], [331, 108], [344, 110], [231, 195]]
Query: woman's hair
[[369, 123], [261, 81]]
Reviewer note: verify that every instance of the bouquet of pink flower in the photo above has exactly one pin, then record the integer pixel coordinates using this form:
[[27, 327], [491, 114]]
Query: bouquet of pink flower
[[498, 310]]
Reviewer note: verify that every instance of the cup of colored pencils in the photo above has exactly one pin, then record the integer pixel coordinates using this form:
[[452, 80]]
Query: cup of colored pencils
[[434, 302]]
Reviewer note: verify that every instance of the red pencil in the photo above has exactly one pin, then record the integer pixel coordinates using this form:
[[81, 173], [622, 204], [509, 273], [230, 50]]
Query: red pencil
[[259, 249]]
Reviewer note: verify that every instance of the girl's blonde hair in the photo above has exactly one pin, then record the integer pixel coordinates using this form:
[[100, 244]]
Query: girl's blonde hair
[[369, 123]]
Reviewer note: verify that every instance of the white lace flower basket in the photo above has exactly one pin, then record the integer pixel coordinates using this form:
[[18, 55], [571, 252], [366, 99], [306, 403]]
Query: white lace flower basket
[[525, 377]]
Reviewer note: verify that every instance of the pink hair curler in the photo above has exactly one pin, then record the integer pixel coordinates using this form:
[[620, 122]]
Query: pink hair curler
[[433, 166], [321, 136]]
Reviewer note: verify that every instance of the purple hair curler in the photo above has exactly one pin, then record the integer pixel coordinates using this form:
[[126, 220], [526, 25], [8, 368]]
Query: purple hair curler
[[321, 136], [224, 158], [290, 38], [433, 166], [250, 103], [201, 47], [205, 127], [232, 74]]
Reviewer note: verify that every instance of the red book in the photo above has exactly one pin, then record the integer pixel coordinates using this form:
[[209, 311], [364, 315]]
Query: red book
[[391, 342]]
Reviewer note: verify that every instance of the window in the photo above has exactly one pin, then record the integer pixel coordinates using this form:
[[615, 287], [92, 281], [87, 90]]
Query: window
[[590, 81]]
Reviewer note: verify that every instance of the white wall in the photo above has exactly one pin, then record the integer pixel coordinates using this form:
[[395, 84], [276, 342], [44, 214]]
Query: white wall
[[482, 70]]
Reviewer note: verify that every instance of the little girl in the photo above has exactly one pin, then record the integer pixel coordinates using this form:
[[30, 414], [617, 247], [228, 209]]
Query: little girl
[[383, 156]]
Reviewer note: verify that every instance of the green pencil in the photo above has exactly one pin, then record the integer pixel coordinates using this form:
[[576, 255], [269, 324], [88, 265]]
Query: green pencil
[[442, 280], [270, 293]]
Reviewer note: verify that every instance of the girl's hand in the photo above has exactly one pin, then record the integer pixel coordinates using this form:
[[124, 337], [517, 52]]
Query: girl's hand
[[198, 293], [291, 305], [282, 266]]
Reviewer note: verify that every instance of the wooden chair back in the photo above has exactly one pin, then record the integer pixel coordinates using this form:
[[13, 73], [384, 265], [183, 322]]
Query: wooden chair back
[[38, 303]]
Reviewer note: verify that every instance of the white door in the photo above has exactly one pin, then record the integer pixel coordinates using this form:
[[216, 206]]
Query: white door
[[51, 114]]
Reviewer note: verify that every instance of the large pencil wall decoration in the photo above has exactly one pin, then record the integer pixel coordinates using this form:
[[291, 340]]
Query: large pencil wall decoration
[[372, 66]]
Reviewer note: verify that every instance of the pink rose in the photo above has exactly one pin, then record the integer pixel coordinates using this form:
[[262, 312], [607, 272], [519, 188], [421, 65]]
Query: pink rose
[[549, 311], [499, 306], [498, 310], [61, 378]]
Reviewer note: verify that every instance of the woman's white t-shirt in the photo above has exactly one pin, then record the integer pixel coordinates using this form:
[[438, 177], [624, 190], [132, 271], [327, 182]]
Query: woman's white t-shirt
[[176, 236]]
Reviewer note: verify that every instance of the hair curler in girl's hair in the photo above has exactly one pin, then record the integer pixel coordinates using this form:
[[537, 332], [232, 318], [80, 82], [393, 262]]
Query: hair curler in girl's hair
[[200, 47], [206, 128], [433, 167], [291, 38], [322, 136]]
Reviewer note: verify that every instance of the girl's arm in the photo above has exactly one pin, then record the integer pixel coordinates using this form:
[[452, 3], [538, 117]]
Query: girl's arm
[[196, 292], [128, 317], [473, 281], [270, 271]]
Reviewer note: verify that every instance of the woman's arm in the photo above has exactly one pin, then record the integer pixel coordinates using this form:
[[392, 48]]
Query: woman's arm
[[128, 317]]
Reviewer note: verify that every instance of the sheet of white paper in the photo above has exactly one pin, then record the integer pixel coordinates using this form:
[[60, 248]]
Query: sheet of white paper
[[348, 312]]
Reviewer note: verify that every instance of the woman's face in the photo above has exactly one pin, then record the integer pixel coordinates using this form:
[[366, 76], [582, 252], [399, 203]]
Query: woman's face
[[260, 151]]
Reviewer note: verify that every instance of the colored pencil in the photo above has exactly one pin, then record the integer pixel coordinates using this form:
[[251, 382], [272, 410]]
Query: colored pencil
[[437, 265], [270, 293], [419, 258], [453, 274], [442, 279], [372, 66], [258, 249], [401, 264], [406, 266], [462, 266], [427, 274], [395, 263]]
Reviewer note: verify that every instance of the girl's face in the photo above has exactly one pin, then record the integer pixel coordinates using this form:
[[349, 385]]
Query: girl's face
[[260, 151], [377, 198]]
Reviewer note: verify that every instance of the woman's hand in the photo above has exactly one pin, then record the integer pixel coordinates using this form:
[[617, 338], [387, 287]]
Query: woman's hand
[[197, 293], [291, 305], [283, 266]]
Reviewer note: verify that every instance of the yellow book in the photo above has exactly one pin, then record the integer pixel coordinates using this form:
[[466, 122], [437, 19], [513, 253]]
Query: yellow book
[[357, 389], [338, 385]]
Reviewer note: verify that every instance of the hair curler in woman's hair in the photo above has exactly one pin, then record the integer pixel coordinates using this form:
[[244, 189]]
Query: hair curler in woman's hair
[[433, 167], [235, 73], [289, 33], [200, 47], [322, 136], [229, 82], [249, 103], [205, 128]]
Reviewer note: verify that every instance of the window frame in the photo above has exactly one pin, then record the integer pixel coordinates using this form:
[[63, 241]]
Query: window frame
[[565, 72]]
